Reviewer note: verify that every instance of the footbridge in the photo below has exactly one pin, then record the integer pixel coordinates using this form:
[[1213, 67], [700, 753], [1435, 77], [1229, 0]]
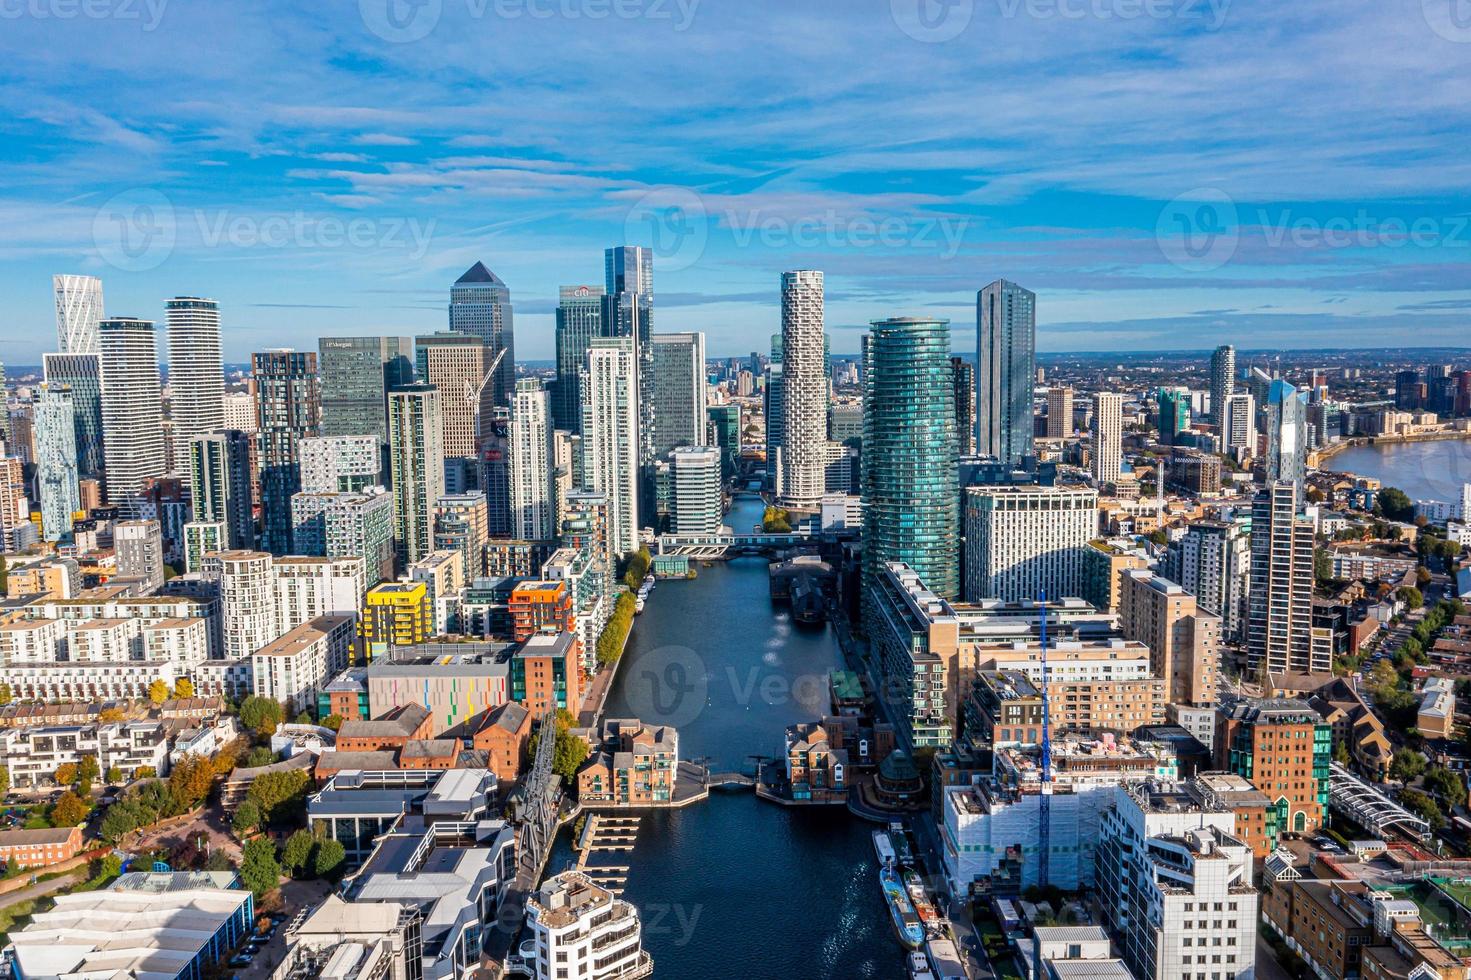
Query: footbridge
[[1368, 807]]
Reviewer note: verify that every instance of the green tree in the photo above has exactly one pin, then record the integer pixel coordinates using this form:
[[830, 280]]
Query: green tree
[[158, 691], [1395, 504], [1406, 765], [1340, 753], [570, 751], [333, 721], [328, 859], [107, 867], [69, 810], [259, 756], [259, 869], [114, 775], [278, 794], [1447, 785], [247, 819], [298, 851], [1410, 596], [88, 770], [775, 520], [5, 695], [4, 780], [638, 567], [1322, 565], [260, 715], [1422, 805]]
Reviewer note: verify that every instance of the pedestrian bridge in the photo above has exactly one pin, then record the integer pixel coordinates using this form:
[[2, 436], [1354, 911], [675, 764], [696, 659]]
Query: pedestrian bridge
[[724, 545], [1365, 805]]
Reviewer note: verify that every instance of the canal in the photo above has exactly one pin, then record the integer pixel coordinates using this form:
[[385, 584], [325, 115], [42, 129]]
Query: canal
[[734, 886]]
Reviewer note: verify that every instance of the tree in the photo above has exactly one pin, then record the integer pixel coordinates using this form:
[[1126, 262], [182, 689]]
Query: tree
[[333, 721], [1395, 504], [298, 851], [65, 774], [278, 794], [302, 718], [69, 810], [328, 859], [114, 775], [88, 770], [246, 820], [1340, 753], [259, 756], [5, 695], [1422, 805], [109, 715], [190, 782], [1422, 575], [183, 688], [570, 751], [1407, 764], [1447, 785], [1410, 596], [107, 867], [4, 780], [775, 520], [259, 869], [638, 567], [145, 772], [4, 574], [260, 715], [158, 691], [1322, 565]]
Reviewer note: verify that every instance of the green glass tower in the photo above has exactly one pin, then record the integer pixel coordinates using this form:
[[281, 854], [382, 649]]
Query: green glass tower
[[910, 482]]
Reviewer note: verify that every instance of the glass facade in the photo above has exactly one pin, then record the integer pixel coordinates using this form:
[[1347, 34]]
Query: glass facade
[[356, 375]]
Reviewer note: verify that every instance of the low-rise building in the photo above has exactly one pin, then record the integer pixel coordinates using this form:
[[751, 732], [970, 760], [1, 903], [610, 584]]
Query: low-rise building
[[636, 765], [1436, 717], [357, 806], [546, 672], [393, 730], [504, 735], [39, 848], [816, 762], [34, 754]]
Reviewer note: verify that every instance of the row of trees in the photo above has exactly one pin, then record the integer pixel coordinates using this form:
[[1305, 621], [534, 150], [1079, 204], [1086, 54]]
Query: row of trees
[[610, 640], [638, 567], [302, 856], [150, 800]]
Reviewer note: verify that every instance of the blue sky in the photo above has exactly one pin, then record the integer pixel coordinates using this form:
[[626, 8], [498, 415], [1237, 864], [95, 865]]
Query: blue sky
[[1164, 173]]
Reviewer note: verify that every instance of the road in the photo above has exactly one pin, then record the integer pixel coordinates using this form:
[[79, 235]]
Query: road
[[1267, 967], [42, 888]]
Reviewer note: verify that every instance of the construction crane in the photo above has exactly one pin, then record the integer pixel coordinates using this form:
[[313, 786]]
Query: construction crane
[[1044, 831]]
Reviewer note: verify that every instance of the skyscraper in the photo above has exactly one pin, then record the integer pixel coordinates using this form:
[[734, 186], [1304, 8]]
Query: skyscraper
[[695, 477], [1279, 627], [288, 409], [1108, 437], [1212, 561], [1006, 323], [1059, 413], [459, 365], [1023, 540], [1174, 413], [773, 397], [1223, 381], [533, 515], [196, 369], [56, 461], [79, 313], [628, 311], [1238, 423], [1287, 434], [963, 376], [800, 473], [219, 484], [579, 320], [132, 408], [610, 435], [910, 481], [480, 305], [82, 373], [679, 390], [356, 375], [416, 460]]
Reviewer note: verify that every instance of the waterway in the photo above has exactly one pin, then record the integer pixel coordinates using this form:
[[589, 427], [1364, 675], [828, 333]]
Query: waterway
[[733, 886], [1423, 470]]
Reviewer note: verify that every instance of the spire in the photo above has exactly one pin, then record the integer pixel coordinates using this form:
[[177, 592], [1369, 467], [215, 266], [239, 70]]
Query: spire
[[479, 273]]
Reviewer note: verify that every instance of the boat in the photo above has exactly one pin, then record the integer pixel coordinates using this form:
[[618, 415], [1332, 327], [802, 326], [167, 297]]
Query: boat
[[923, 907], [919, 967], [907, 925], [884, 848], [638, 605], [900, 840]]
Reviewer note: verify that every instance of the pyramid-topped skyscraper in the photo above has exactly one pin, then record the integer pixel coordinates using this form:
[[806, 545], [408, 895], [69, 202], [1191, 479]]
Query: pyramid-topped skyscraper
[[480, 305]]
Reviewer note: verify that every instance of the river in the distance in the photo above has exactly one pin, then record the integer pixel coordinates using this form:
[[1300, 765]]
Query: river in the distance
[[734, 886], [1423, 470]]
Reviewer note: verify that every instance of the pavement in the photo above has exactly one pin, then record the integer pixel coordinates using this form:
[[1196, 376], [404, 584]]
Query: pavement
[[43, 888], [1267, 967]]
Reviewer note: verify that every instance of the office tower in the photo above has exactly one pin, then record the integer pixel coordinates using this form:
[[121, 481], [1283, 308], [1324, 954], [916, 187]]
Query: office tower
[[679, 391], [1212, 561], [1407, 390], [725, 424], [356, 524], [1223, 382], [696, 505], [357, 373], [480, 305], [459, 365], [340, 464], [196, 370], [82, 373], [138, 546], [1059, 413], [460, 525], [1174, 414], [628, 311], [288, 409], [494, 471], [132, 408], [532, 508], [963, 376], [220, 484], [1284, 748], [773, 395], [56, 460], [416, 461], [1006, 322], [1183, 640], [910, 481], [1021, 541], [1279, 628], [579, 320], [248, 618], [1238, 423], [1287, 434], [1108, 437], [79, 314], [804, 392], [610, 435]]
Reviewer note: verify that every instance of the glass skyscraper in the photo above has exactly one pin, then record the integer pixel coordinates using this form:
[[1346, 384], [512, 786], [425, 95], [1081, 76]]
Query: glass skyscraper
[[1287, 434], [480, 304], [910, 480], [579, 320], [356, 375], [628, 311], [288, 408], [56, 460], [82, 373], [1006, 327]]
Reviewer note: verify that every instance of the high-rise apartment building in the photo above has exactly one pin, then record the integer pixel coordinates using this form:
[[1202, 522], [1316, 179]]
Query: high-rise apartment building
[[801, 470], [1108, 437], [1174, 414], [1287, 434], [910, 480], [56, 460], [356, 524], [533, 512], [696, 504], [196, 370], [579, 320], [1212, 561], [963, 375], [1006, 322], [357, 373], [1223, 382], [773, 397], [416, 461], [1279, 627], [460, 524], [79, 314], [82, 374], [610, 435], [1237, 420], [459, 365], [480, 305], [1022, 541], [1059, 413], [628, 311], [679, 391], [340, 464], [138, 546], [288, 408], [247, 601], [220, 485], [1184, 641], [132, 409]]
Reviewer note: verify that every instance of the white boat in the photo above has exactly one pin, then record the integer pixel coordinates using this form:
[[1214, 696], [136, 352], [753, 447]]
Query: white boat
[[919, 967], [884, 848]]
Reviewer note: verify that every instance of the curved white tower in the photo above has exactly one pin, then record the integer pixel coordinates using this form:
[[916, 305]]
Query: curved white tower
[[78, 312]]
